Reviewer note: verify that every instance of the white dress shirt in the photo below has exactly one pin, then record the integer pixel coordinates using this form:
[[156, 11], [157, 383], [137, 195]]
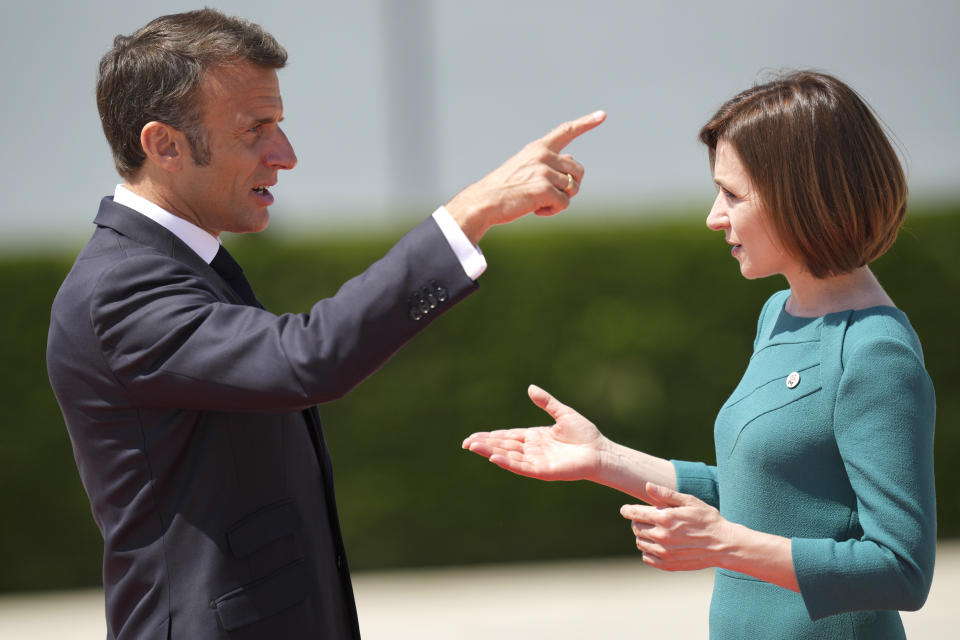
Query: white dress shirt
[[206, 245]]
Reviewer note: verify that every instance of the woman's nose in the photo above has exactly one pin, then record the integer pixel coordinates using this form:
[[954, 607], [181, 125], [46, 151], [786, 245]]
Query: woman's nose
[[717, 218]]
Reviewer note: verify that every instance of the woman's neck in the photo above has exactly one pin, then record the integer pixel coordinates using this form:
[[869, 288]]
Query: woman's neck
[[812, 297]]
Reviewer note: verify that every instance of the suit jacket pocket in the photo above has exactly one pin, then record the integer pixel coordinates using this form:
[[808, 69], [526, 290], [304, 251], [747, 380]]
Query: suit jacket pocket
[[262, 598]]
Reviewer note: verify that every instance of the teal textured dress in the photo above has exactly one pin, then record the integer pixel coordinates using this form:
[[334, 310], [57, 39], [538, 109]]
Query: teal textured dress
[[827, 440]]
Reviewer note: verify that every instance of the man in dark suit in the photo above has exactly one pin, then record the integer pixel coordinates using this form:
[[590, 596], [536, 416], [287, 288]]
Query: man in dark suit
[[191, 409]]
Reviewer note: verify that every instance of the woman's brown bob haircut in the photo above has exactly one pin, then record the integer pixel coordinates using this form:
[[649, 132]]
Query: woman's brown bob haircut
[[822, 166], [156, 73]]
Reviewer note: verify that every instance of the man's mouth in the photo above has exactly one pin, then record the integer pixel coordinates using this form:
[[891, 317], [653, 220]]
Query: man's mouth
[[263, 195]]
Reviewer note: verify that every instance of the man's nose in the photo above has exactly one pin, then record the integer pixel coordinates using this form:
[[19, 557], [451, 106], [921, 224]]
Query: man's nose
[[281, 156]]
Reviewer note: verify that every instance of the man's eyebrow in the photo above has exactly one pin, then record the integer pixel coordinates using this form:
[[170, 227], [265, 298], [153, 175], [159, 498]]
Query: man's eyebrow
[[251, 120]]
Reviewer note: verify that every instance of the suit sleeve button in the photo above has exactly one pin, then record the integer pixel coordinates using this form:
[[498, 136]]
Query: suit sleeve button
[[431, 299], [439, 291]]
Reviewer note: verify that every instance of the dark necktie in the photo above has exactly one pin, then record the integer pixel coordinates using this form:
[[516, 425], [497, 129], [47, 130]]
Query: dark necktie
[[228, 268]]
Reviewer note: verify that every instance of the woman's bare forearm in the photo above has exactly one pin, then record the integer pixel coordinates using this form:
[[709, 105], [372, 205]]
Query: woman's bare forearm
[[628, 470]]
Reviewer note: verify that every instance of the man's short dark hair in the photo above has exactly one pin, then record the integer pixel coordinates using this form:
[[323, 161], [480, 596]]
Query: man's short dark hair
[[156, 73]]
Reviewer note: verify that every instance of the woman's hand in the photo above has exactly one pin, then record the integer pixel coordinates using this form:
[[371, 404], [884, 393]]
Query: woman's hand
[[570, 449], [679, 532]]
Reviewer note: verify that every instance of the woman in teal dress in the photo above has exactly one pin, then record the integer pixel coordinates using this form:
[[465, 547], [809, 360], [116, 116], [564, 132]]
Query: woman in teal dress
[[819, 514]]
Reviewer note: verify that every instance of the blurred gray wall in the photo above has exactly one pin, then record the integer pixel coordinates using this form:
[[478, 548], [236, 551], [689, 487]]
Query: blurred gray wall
[[393, 106]]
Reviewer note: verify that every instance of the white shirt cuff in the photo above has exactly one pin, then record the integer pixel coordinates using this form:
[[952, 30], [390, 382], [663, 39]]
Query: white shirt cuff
[[469, 255]]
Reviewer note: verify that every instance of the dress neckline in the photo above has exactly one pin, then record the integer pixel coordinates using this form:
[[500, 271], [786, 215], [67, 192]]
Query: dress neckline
[[877, 307]]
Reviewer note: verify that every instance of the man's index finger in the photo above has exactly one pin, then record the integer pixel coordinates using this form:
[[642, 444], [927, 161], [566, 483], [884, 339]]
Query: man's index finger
[[563, 135]]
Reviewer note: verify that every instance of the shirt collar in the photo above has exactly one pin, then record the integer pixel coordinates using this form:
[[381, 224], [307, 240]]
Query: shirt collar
[[203, 244]]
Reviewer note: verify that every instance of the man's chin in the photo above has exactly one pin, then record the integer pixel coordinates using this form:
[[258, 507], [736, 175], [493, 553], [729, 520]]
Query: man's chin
[[255, 223]]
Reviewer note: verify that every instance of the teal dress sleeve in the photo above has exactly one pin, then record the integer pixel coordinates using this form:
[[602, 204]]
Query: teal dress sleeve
[[883, 423], [698, 479]]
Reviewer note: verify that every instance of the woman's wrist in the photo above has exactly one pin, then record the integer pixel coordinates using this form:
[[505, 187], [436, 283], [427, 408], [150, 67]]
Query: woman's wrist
[[607, 461], [761, 555], [629, 470]]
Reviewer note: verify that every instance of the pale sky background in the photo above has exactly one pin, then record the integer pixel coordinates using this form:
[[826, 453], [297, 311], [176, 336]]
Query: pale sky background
[[395, 105]]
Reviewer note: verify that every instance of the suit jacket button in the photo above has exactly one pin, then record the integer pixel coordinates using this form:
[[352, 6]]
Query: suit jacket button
[[415, 313], [431, 299], [439, 291], [793, 380]]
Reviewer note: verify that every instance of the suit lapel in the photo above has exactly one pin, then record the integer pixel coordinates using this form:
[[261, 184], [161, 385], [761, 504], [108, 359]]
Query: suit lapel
[[142, 230]]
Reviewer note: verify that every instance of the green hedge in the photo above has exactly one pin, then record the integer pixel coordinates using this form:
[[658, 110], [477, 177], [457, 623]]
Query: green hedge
[[645, 329]]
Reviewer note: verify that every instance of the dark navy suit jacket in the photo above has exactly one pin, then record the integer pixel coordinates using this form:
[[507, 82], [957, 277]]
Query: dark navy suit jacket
[[193, 423]]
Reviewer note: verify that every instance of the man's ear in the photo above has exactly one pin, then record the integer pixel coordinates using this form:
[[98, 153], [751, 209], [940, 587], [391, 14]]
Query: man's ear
[[163, 145]]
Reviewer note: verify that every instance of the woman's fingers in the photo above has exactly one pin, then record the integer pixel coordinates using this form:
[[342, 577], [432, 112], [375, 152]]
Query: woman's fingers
[[547, 402]]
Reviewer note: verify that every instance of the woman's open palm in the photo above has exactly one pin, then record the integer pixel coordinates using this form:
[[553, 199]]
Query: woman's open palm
[[568, 450]]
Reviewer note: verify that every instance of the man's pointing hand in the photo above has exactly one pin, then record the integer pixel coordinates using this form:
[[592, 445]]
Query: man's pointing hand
[[538, 179]]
